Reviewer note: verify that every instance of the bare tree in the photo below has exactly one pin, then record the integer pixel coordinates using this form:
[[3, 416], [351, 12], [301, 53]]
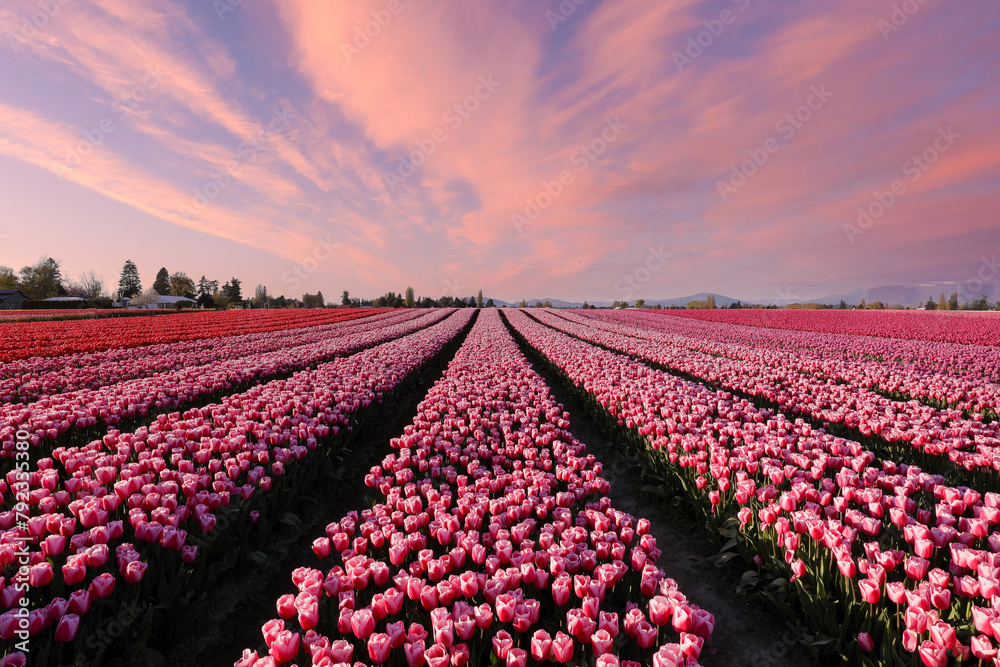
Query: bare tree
[[147, 298], [88, 285]]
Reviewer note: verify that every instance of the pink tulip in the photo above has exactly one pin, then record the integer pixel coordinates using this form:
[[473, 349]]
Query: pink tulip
[[67, 627], [134, 572], [41, 574], [541, 645], [502, 644], [102, 585], [379, 646], [562, 647], [414, 652], [870, 591], [602, 642], [516, 657], [285, 646], [933, 655], [437, 656], [362, 623]]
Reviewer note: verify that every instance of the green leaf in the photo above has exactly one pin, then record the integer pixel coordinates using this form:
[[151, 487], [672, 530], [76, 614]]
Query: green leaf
[[721, 560], [290, 519], [258, 558], [659, 491]]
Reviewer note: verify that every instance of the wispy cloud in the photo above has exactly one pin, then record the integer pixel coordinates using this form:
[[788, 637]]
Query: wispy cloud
[[408, 66]]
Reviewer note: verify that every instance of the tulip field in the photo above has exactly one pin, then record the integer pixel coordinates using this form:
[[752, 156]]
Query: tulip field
[[844, 467]]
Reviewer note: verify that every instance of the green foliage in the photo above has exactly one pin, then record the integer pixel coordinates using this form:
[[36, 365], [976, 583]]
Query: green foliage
[[42, 280], [162, 283], [129, 284]]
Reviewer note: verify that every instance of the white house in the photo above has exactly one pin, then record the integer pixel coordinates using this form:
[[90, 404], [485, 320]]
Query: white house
[[163, 302]]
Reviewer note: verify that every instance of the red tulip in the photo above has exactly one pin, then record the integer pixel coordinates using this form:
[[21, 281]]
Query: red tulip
[[865, 642]]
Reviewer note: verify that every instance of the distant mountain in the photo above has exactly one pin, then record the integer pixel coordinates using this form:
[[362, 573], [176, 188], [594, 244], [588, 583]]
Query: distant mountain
[[903, 295], [720, 301], [912, 295]]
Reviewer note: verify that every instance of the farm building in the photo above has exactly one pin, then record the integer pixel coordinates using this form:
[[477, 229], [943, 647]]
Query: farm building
[[12, 299], [170, 302]]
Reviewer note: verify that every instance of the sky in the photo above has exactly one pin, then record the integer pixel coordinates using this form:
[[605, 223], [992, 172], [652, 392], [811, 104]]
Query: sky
[[571, 149]]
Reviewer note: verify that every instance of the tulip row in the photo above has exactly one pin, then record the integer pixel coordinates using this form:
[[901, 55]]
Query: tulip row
[[79, 412], [775, 379], [21, 340], [494, 540], [945, 375], [878, 555], [106, 512], [73, 314], [38, 377], [972, 328]]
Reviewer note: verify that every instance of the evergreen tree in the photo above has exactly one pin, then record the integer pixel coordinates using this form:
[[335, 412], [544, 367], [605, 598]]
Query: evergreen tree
[[232, 291], [128, 283], [345, 298], [162, 283], [206, 292], [930, 305]]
